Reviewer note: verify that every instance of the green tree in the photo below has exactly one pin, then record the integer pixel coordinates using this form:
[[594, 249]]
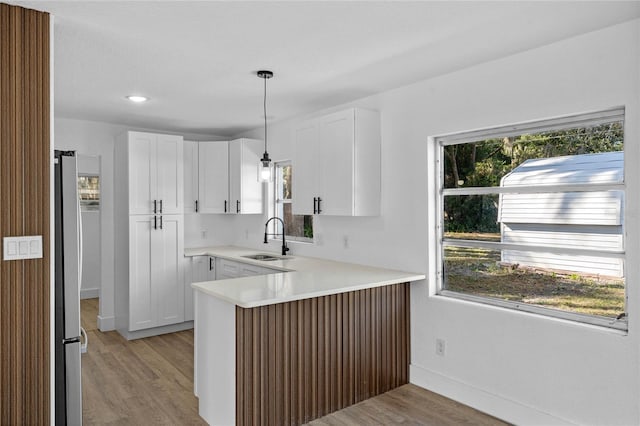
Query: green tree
[[485, 163]]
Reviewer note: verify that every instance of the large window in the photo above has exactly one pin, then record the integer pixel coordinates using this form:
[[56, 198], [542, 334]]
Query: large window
[[297, 227], [531, 217]]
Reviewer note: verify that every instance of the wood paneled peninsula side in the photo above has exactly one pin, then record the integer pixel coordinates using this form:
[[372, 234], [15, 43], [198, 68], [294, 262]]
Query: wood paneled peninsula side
[[306, 338]]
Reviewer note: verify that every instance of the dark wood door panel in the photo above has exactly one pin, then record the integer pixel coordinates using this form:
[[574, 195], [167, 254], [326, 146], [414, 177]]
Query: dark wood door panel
[[298, 361], [24, 210]]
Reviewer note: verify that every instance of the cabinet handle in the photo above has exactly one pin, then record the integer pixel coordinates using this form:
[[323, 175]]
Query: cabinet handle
[[237, 206], [155, 222], [160, 222], [211, 263], [196, 206], [225, 206], [319, 209], [155, 206], [161, 206], [315, 209]]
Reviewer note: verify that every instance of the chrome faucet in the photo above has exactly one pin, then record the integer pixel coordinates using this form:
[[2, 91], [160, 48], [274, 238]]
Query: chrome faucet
[[285, 249]]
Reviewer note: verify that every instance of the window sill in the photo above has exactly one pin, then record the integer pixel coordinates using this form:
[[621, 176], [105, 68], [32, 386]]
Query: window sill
[[619, 327], [308, 241]]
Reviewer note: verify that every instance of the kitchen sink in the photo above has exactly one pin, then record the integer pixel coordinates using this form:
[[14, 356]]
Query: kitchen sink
[[263, 256]]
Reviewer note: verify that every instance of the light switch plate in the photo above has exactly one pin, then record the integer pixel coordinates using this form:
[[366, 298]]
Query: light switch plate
[[19, 248]]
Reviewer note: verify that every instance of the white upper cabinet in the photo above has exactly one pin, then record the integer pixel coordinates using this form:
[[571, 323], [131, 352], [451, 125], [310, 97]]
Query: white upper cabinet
[[336, 171], [337, 164], [223, 177], [169, 174], [213, 166], [206, 177], [191, 177], [155, 173], [142, 168], [305, 188], [245, 191]]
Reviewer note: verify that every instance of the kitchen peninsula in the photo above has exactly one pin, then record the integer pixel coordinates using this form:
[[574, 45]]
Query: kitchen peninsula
[[306, 338]]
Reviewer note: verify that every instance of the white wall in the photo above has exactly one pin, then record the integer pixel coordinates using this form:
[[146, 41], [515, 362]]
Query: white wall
[[97, 139], [521, 367]]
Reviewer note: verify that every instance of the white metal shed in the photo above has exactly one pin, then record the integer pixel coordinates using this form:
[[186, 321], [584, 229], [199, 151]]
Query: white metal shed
[[576, 219]]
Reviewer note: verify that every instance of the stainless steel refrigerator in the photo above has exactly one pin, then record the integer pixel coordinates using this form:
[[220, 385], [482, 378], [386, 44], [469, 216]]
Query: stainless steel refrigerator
[[68, 273]]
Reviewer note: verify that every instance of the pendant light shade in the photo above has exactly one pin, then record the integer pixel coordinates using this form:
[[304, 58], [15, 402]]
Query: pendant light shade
[[265, 173]]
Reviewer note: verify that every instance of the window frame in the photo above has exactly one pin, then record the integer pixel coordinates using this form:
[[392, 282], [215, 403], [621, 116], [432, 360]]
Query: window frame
[[616, 114], [275, 201]]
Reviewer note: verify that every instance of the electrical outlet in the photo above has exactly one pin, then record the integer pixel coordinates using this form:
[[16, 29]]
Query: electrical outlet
[[203, 234], [246, 234], [345, 241], [440, 347]]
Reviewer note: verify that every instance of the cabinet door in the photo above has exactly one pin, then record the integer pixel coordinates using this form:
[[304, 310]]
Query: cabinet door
[[200, 268], [336, 163], [244, 188], [214, 177], [170, 173], [190, 169], [142, 172], [227, 269], [305, 168], [141, 304], [167, 273], [247, 270], [189, 270]]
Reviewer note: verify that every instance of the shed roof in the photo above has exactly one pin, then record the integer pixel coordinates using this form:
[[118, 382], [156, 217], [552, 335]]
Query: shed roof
[[605, 167]]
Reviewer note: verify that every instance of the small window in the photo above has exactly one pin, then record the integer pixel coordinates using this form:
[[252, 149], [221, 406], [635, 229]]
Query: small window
[[89, 192], [531, 217], [297, 227]]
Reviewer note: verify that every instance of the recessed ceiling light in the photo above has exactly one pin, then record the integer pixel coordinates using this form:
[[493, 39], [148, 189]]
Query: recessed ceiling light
[[137, 98]]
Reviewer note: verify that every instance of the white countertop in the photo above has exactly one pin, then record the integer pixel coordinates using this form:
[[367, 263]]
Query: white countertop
[[302, 278]]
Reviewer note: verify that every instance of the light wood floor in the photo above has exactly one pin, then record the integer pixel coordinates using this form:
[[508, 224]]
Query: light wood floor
[[150, 382], [408, 405], [138, 382]]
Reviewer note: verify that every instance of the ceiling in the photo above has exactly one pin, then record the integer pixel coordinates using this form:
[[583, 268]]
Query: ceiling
[[196, 61]]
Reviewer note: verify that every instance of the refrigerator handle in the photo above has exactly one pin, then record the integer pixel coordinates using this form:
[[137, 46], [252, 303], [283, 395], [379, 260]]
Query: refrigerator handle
[[80, 248], [160, 206], [155, 222], [155, 206], [160, 222], [84, 340]]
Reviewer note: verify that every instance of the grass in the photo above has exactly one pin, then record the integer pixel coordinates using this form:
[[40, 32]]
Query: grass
[[477, 271]]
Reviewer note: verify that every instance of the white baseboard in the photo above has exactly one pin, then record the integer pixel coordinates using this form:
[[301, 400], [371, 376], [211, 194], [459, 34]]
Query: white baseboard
[[89, 293], [106, 323], [494, 405], [140, 334]]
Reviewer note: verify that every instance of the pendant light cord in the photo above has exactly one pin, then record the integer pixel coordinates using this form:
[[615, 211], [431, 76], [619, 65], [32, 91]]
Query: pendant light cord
[[265, 115]]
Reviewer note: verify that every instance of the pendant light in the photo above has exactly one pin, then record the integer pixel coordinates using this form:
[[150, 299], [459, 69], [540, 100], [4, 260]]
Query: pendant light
[[264, 165]]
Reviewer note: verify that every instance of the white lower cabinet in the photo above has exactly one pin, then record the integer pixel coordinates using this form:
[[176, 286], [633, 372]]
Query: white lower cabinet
[[156, 281], [199, 268], [226, 269]]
